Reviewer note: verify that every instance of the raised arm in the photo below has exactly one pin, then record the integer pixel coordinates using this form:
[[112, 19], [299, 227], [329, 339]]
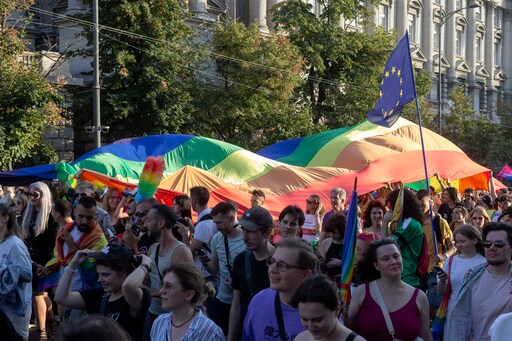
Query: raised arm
[[132, 286], [64, 295]]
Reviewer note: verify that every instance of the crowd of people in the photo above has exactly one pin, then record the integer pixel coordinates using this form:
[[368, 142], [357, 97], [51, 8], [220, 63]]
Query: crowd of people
[[82, 264]]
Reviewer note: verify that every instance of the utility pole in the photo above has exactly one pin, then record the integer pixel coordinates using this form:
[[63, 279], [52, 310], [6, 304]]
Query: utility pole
[[96, 87]]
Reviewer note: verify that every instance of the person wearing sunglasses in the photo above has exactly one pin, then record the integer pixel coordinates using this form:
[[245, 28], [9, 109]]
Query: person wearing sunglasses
[[485, 290], [470, 250], [479, 217], [39, 231], [313, 216], [20, 203], [271, 312], [136, 235]]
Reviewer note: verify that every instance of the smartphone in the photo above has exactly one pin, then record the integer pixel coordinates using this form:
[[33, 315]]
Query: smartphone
[[200, 253], [438, 268], [136, 230]]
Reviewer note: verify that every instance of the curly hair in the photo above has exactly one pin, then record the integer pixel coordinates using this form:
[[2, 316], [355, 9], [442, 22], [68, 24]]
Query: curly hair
[[367, 220]]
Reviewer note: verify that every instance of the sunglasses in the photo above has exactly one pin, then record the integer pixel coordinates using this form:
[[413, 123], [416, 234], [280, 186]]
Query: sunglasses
[[80, 195], [311, 202], [17, 202], [499, 244], [35, 195], [141, 214]]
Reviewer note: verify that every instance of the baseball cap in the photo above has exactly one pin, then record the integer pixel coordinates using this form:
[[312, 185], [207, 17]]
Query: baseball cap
[[255, 218], [119, 253]]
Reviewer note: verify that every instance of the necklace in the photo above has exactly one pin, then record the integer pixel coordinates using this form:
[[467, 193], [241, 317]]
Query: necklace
[[184, 323]]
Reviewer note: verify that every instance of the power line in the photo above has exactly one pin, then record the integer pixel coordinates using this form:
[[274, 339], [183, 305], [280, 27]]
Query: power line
[[214, 54]]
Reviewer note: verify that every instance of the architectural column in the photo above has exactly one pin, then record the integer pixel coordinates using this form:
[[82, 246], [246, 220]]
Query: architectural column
[[258, 13], [507, 53], [197, 6], [401, 18], [427, 33], [489, 55], [450, 47], [471, 58], [270, 5]]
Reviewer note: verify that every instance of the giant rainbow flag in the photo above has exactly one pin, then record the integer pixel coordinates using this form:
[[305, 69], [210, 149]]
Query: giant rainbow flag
[[288, 171]]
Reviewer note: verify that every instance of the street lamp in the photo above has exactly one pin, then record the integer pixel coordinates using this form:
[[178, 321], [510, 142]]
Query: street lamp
[[444, 18]]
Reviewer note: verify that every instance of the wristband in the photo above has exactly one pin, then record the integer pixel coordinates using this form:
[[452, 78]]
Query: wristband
[[69, 270]]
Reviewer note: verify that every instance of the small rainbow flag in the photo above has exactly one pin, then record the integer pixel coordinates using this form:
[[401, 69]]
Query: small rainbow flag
[[348, 254]]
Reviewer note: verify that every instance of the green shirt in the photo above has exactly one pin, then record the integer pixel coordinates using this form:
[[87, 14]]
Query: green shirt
[[412, 232]]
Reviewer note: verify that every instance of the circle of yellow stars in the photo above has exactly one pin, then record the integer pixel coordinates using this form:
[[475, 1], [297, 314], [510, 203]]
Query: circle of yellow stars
[[396, 73]]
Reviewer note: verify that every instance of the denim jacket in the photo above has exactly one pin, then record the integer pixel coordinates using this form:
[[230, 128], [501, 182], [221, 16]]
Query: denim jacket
[[459, 322]]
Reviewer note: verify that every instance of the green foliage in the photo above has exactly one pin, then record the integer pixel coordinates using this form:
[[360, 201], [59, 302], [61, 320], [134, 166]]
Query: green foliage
[[343, 66], [144, 81], [26, 100], [252, 102], [471, 132], [423, 82]]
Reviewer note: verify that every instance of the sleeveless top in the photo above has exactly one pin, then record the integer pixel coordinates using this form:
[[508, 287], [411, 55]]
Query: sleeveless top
[[372, 326], [157, 273], [334, 251]]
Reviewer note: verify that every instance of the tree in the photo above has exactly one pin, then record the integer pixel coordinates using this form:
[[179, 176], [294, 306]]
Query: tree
[[469, 130], [146, 60], [27, 100], [344, 66], [251, 102]]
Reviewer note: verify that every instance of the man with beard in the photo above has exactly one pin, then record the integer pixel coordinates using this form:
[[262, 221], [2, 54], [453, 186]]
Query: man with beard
[[485, 292], [84, 233], [167, 250], [136, 235]]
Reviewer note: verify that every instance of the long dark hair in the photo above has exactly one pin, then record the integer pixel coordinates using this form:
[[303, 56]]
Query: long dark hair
[[12, 225], [367, 220], [318, 289], [411, 208]]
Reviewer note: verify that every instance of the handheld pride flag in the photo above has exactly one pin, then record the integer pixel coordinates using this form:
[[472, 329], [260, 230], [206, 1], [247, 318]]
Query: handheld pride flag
[[348, 254], [152, 174]]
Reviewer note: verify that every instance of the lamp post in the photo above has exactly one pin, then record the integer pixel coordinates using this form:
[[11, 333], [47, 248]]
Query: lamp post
[[444, 18]]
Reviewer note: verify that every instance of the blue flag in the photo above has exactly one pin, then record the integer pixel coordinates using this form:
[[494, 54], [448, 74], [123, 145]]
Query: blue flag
[[397, 87]]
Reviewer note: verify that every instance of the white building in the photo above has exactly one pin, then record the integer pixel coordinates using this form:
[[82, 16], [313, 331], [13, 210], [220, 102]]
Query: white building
[[476, 43]]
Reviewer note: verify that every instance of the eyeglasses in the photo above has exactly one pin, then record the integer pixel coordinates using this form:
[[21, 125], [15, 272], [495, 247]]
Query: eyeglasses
[[35, 195], [141, 214], [80, 195], [499, 244], [281, 266]]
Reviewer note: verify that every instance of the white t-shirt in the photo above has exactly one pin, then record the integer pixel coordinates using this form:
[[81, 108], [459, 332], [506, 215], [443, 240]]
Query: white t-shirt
[[459, 268], [308, 229], [501, 329], [75, 234], [490, 297]]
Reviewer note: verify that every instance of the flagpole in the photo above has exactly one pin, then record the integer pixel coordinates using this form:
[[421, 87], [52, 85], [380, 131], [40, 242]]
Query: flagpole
[[422, 147]]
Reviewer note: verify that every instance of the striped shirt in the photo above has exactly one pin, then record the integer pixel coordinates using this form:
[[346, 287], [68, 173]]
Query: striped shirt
[[201, 328]]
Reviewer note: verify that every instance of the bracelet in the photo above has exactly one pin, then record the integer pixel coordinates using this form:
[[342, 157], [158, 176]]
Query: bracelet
[[69, 270]]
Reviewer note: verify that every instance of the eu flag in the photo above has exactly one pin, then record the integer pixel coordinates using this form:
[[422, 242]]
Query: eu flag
[[397, 87]]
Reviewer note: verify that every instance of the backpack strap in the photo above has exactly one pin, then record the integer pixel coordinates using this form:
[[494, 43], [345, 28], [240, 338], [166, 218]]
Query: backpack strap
[[279, 317], [103, 305], [248, 272]]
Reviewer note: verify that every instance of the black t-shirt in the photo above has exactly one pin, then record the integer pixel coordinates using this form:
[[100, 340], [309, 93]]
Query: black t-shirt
[[334, 251], [446, 212], [239, 280], [145, 243], [118, 310]]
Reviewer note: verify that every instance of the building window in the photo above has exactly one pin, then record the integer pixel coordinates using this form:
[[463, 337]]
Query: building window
[[413, 22], [383, 16], [478, 13], [497, 17], [437, 33], [458, 4], [478, 47], [460, 42], [497, 52]]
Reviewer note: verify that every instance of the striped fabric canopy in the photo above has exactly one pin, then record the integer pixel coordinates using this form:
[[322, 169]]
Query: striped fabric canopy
[[288, 171]]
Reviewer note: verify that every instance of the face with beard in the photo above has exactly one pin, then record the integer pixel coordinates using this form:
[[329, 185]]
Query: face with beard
[[84, 218], [497, 255]]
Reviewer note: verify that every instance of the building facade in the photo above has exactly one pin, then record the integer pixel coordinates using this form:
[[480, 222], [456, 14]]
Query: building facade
[[476, 50]]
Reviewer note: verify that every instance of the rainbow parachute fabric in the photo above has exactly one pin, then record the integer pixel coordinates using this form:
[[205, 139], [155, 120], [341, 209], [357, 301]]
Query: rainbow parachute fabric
[[288, 171]]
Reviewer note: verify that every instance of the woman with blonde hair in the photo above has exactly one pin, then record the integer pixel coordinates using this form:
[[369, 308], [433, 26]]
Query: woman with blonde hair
[[479, 217], [313, 216], [183, 292], [39, 231]]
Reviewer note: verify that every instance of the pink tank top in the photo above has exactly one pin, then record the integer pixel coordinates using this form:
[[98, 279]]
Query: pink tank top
[[372, 326]]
